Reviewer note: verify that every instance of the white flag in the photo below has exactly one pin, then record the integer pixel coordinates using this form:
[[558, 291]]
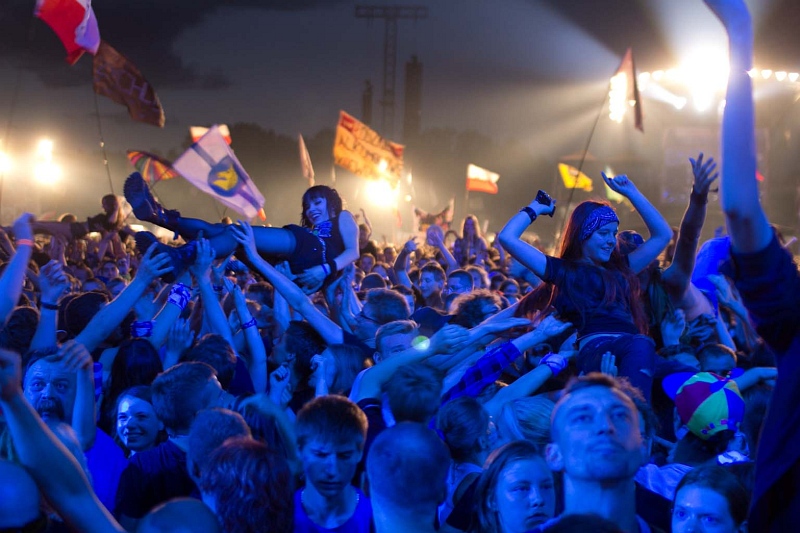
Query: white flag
[[209, 164]]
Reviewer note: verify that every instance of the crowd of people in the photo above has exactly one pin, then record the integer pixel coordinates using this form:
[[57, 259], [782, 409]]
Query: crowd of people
[[306, 379]]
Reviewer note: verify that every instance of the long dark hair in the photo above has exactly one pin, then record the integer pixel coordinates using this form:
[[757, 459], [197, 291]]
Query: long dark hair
[[571, 251], [335, 203]]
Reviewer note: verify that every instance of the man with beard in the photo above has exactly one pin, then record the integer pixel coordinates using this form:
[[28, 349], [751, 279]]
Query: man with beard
[[59, 384], [597, 443]]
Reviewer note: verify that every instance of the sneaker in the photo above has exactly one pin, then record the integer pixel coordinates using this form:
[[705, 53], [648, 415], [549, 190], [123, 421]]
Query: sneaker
[[145, 206], [181, 257]]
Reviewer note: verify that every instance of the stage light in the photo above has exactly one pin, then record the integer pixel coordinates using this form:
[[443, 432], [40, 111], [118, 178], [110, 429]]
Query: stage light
[[781, 75], [5, 163], [47, 172], [380, 193], [680, 103], [408, 197], [45, 149], [658, 74], [753, 72], [793, 76], [618, 97], [766, 73]]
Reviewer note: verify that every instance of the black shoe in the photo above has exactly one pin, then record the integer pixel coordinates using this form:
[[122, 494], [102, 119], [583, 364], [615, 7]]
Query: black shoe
[[145, 206], [181, 257]]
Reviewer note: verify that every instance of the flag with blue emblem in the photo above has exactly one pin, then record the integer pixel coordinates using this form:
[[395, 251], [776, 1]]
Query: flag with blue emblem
[[210, 165]]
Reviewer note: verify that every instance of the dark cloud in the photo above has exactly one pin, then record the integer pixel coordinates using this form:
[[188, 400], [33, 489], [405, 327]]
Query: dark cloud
[[144, 31]]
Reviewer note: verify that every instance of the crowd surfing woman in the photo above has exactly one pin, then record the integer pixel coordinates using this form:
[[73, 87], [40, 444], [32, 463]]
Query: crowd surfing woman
[[324, 243], [594, 286]]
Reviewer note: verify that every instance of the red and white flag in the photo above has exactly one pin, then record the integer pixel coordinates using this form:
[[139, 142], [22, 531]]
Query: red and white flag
[[74, 23], [199, 131], [481, 180]]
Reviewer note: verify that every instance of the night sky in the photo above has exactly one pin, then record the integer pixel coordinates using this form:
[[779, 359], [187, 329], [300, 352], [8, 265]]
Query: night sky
[[533, 71]]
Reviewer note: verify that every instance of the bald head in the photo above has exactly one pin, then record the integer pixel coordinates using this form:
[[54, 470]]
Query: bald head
[[19, 496], [181, 515], [408, 455]]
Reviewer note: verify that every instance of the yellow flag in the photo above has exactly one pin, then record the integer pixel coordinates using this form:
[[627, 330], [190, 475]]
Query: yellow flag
[[574, 179]]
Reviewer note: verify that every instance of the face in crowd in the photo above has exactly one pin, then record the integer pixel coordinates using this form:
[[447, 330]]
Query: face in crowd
[[50, 389]]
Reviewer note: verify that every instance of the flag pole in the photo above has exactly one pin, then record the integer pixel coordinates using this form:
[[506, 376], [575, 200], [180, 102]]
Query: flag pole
[[102, 142], [582, 161]]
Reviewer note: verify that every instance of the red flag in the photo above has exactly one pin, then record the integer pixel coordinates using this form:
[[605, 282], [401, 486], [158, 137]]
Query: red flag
[[627, 70], [305, 161], [74, 23], [119, 79]]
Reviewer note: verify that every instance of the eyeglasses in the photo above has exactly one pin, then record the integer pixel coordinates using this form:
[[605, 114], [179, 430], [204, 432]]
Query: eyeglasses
[[365, 317]]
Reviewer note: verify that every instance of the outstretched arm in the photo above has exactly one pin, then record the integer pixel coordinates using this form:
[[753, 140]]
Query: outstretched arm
[[14, 273], [109, 317], [678, 275], [523, 252], [401, 262], [329, 330], [747, 224], [660, 231], [52, 466]]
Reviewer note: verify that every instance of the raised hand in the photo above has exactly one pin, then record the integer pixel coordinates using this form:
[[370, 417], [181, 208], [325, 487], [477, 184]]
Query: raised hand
[[53, 282], [75, 356], [672, 327], [243, 233], [205, 256], [550, 326], [620, 184], [410, 245], [608, 364], [311, 279], [22, 227], [705, 172], [449, 339], [180, 338], [153, 265]]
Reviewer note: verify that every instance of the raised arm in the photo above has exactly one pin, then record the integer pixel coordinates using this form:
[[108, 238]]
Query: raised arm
[[449, 339], [678, 275], [54, 469], [201, 270], [401, 262], [747, 224], [297, 299], [510, 235], [109, 317], [14, 273], [53, 283], [257, 354], [660, 231]]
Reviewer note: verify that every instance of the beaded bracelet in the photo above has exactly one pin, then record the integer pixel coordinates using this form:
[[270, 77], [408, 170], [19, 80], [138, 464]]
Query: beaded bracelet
[[180, 295]]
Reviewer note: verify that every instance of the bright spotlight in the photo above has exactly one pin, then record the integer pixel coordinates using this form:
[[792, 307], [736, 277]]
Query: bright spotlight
[[753, 72], [45, 148], [658, 74], [47, 173], [793, 76], [680, 103], [781, 75], [5, 163], [408, 197], [383, 166], [380, 193], [618, 97], [766, 73]]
